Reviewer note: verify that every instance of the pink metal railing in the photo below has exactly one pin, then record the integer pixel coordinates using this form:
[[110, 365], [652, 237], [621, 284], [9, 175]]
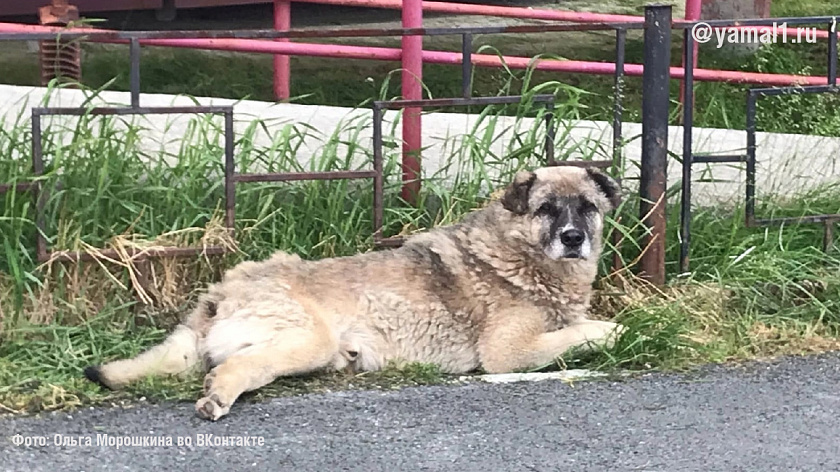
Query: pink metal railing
[[692, 13], [282, 67], [433, 57]]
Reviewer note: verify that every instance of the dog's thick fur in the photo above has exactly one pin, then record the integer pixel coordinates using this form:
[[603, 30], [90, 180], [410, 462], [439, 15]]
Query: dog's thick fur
[[505, 289]]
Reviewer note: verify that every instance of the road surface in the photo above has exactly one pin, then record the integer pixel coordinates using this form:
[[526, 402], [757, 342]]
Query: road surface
[[779, 416]]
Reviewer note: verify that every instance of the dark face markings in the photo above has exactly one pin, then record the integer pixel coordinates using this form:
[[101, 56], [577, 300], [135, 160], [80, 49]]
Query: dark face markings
[[565, 212]]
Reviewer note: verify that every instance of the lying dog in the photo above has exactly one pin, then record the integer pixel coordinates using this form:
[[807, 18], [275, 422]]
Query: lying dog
[[506, 289]]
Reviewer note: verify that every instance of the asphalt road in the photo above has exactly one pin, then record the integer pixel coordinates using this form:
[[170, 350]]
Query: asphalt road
[[780, 416]]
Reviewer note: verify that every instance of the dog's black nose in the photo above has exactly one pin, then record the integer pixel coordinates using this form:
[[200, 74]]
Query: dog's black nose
[[572, 237]]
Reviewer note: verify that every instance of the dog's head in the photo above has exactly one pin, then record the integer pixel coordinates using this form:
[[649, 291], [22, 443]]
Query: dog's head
[[563, 208]]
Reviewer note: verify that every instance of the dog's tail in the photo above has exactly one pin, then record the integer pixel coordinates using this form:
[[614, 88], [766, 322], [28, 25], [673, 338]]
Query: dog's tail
[[177, 354]]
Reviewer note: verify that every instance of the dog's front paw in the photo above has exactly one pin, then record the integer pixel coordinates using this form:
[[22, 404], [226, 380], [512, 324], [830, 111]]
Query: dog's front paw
[[211, 408], [600, 333]]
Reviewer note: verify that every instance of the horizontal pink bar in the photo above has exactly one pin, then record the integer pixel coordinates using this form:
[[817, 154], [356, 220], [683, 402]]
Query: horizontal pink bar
[[481, 60], [441, 57]]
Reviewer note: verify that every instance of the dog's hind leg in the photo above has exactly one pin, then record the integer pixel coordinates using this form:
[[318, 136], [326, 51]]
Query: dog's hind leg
[[293, 351]]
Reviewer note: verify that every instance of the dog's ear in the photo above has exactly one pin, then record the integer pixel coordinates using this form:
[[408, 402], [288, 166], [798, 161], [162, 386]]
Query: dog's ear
[[515, 198], [607, 185]]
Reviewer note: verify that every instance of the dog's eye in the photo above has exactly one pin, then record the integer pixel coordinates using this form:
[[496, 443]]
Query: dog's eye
[[546, 209], [587, 207]]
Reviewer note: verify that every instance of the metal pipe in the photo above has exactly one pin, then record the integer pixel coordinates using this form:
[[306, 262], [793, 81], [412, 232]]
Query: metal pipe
[[122, 111], [282, 64], [749, 205], [462, 102], [618, 112], [688, 156], [378, 177], [230, 171], [134, 72], [718, 159], [296, 176], [618, 93], [757, 26], [26, 32], [466, 65], [828, 234], [412, 89], [797, 220], [486, 60], [693, 9], [832, 57], [40, 194], [654, 163], [549, 134]]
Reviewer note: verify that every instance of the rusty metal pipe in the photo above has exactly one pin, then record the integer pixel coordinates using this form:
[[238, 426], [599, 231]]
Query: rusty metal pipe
[[654, 165]]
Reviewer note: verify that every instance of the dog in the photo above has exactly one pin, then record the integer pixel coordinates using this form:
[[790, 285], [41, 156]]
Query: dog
[[506, 289]]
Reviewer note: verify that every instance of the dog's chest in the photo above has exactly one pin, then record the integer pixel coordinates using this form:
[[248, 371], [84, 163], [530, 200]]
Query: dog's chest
[[563, 309]]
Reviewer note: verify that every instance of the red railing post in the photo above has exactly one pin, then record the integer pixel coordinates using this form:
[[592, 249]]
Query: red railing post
[[282, 65], [412, 89], [692, 13]]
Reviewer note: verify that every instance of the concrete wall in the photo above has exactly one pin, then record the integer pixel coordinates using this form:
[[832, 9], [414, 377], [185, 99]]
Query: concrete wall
[[788, 163]]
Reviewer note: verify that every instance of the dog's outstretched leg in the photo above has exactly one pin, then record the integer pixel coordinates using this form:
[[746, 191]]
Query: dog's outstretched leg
[[520, 347], [293, 351]]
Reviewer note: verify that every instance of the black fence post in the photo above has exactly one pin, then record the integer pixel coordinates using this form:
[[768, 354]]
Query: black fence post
[[688, 156], [654, 166]]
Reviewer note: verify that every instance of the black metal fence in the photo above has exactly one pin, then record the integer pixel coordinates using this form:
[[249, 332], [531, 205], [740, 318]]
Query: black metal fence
[[689, 158], [656, 78], [231, 177]]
